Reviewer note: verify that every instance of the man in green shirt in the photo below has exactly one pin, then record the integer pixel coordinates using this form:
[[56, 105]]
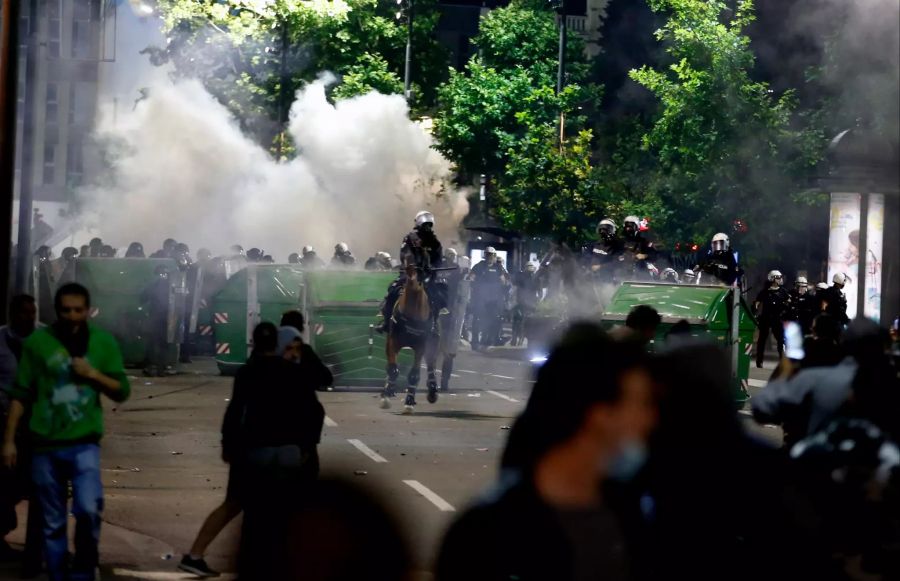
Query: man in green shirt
[[63, 370]]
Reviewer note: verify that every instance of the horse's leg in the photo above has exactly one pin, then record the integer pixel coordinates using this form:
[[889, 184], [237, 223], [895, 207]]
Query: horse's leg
[[413, 381], [431, 352], [393, 372]]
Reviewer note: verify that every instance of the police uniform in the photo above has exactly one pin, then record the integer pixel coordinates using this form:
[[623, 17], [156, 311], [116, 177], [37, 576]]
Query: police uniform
[[604, 259], [633, 267], [723, 266], [833, 301], [488, 301], [803, 309], [774, 306], [424, 251]]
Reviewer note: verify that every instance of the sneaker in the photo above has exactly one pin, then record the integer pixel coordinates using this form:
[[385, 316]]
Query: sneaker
[[196, 567]]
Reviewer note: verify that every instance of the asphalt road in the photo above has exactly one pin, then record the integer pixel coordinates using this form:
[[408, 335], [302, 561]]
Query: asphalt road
[[163, 474]]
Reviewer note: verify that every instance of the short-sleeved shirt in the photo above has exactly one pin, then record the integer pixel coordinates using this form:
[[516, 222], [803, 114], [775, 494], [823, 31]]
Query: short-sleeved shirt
[[66, 409]]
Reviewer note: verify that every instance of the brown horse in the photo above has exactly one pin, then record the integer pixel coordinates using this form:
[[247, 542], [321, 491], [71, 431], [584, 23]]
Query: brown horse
[[411, 326]]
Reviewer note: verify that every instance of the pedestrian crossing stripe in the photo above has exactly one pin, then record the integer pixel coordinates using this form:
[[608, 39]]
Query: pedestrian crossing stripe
[[206, 330], [95, 312], [223, 348], [220, 318]]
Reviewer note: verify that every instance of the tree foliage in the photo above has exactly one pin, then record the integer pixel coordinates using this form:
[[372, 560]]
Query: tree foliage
[[726, 146], [243, 50]]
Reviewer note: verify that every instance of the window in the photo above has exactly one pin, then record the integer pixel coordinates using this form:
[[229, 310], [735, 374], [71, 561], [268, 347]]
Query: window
[[85, 14], [49, 164], [52, 113], [81, 104], [75, 162]]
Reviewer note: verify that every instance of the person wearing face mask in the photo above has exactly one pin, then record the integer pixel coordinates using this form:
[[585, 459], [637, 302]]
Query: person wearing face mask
[[63, 371], [772, 305], [803, 305], [557, 513]]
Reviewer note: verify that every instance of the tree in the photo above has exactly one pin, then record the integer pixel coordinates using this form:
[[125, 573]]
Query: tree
[[253, 55], [500, 117], [726, 146]]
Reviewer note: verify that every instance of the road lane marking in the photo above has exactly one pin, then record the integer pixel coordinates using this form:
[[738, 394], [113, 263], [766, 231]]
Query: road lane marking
[[160, 575], [436, 500], [502, 396], [330, 422], [375, 456], [745, 413], [502, 376], [467, 371], [757, 382]]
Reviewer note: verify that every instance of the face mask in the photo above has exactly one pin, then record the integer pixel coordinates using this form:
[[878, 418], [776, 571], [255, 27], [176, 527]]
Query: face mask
[[628, 462]]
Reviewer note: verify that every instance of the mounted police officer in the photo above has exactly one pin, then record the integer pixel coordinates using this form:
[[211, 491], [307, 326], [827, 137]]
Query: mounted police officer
[[772, 307], [604, 255], [422, 249], [721, 261]]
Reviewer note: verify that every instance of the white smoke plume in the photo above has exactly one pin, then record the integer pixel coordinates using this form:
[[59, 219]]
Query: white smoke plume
[[180, 167]]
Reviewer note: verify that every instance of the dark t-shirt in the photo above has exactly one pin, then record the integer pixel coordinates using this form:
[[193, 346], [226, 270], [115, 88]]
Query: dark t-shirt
[[597, 542]]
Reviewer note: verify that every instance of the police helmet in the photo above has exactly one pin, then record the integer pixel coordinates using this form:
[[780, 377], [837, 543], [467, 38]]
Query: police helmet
[[801, 281], [341, 248], [775, 274], [308, 250], [669, 274], [169, 243], [821, 285], [383, 255], [721, 242], [531, 266], [69, 253], [839, 278], [451, 254], [294, 258], [424, 217], [95, 243], [254, 254], [606, 226]]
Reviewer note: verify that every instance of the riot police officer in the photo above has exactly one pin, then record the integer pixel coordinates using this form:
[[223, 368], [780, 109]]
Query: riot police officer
[[342, 256], [310, 260], [168, 249], [156, 300], [381, 261], [421, 249], [669, 275], [639, 253], [488, 279], [721, 261], [254, 255], [135, 250], [832, 299], [528, 295], [803, 305], [688, 277], [604, 255], [772, 305]]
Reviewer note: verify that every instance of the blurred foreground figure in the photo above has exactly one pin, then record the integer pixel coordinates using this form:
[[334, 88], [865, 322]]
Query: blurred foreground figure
[[556, 514], [711, 493]]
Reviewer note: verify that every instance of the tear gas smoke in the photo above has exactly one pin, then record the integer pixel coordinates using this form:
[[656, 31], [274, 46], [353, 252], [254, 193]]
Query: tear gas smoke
[[179, 166]]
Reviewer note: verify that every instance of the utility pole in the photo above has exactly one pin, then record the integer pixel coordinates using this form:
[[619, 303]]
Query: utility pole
[[282, 95], [561, 65], [9, 76], [407, 67], [26, 189]]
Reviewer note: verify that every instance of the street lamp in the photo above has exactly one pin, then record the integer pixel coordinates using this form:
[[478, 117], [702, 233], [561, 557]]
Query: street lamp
[[560, 7], [407, 74]]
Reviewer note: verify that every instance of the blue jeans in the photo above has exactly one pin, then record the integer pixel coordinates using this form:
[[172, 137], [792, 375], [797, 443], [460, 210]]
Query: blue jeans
[[80, 465]]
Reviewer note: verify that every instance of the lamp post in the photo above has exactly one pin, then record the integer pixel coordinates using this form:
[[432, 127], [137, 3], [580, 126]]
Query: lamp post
[[560, 6], [407, 66]]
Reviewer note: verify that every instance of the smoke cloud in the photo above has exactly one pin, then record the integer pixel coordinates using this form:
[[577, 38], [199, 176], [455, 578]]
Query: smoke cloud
[[178, 166]]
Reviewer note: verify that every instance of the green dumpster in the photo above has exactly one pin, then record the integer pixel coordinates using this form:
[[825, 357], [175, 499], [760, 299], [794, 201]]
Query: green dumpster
[[706, 308], [116, 285], [259, 292], [340, 307]]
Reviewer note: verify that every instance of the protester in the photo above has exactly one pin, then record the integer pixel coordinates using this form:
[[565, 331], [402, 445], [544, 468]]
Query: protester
[[62, 372], [271, 429], [700, 460], [554, 515], [319, 371], [15, 484], [644, 320], [806, 402]]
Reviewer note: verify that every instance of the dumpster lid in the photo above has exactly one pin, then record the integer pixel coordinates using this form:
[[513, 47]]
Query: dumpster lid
[[693, 303]]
